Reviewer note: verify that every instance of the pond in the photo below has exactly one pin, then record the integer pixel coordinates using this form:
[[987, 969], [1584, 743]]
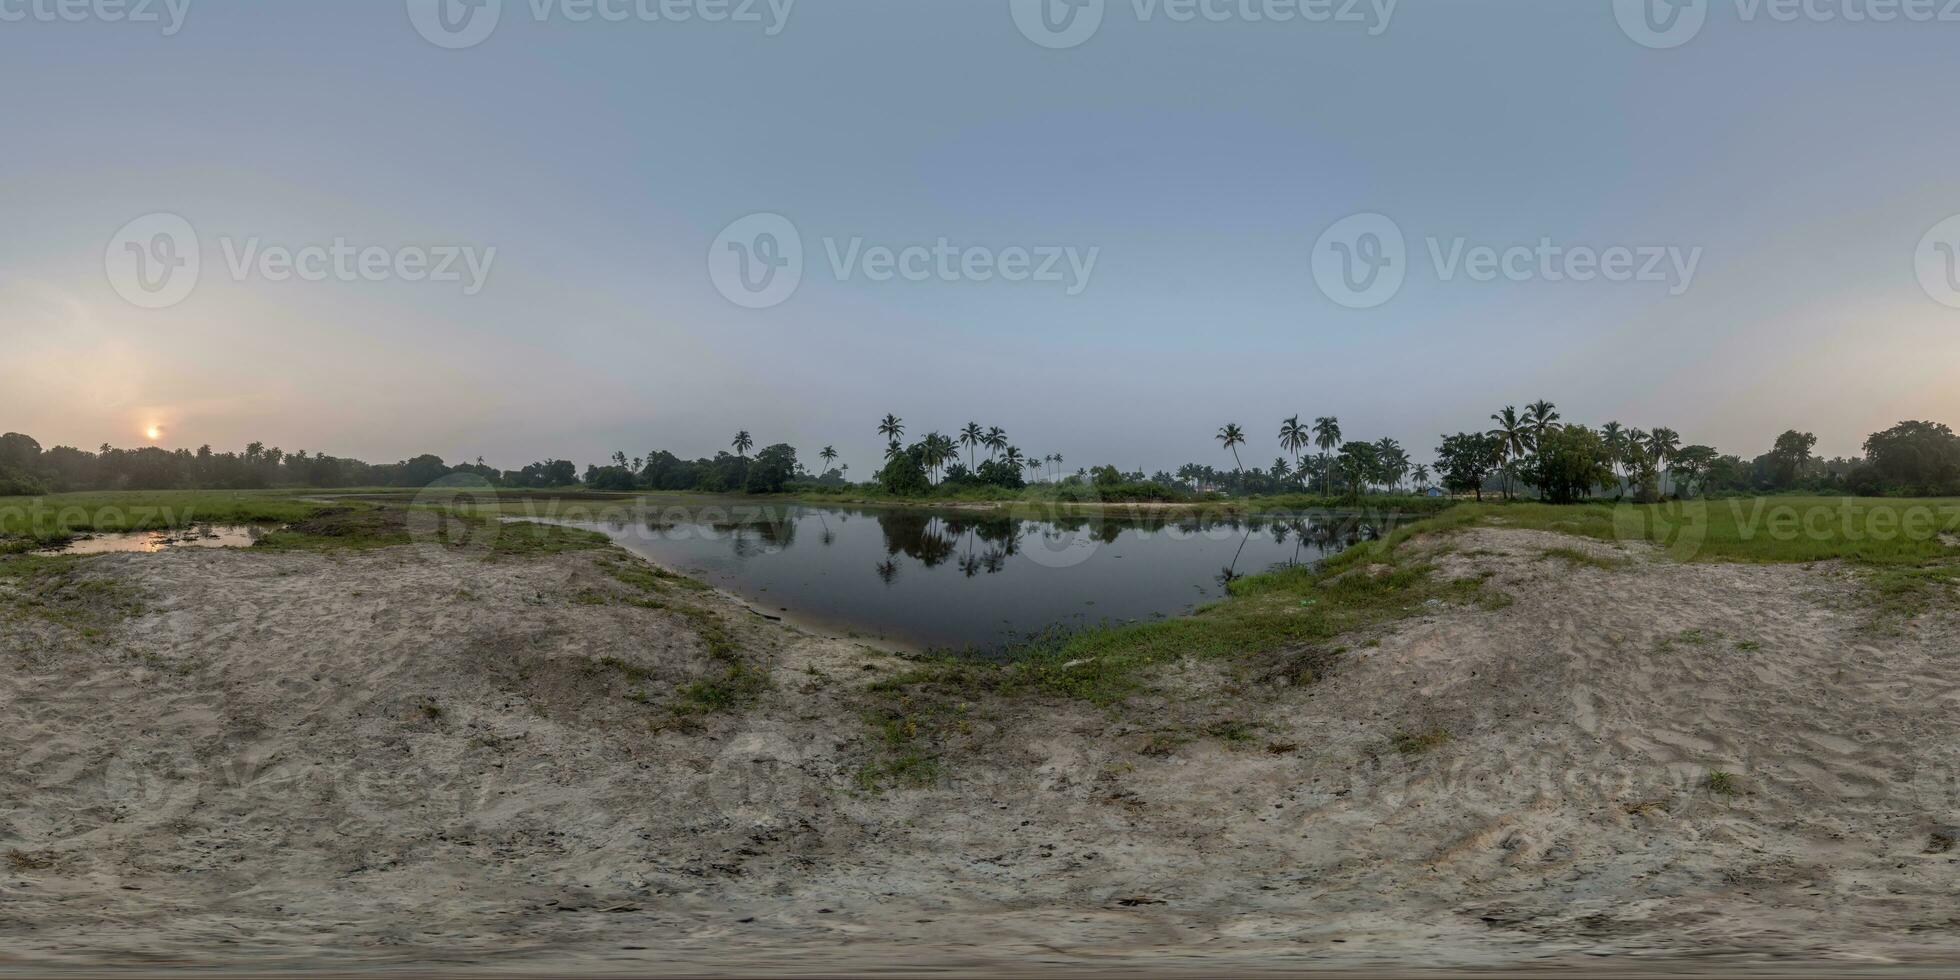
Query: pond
[[150, 542], [971, 580]]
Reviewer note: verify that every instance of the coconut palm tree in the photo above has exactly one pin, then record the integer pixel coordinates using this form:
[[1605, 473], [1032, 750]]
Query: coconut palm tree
[[1614, 435], [1540, 417], [1233, 437], [1662, 444], [1394, 462], [1013, 456], [829, 456], [938, 450], [1326, 436], [1421, 475], [1035, 466], [995, 440], [1513, 435], [1058, 467], [892, 428], [970, 437], [1294, 437], [743, 443]]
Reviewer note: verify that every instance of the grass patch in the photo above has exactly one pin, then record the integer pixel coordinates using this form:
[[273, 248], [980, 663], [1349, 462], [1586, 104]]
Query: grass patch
[[737, 685], [1904, 548], [631, 671], [1417, 743], [522, 539], [1722, 783], [1869, 530], [21, 861], [358, 527], [55, 518], [364, 527], [917, 770], [909, 732], [63, 590], [1900, 594], [1583, 559], [1232, 732], [645, 576]]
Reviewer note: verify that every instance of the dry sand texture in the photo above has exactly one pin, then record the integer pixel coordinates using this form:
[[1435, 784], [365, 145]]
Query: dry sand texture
[[409, 758]]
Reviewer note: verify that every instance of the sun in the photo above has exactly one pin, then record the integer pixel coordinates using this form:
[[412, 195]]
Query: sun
[[155, 432]]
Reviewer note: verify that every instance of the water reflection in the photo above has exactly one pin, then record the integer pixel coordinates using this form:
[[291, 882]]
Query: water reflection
[[970, 579], [151, 542]]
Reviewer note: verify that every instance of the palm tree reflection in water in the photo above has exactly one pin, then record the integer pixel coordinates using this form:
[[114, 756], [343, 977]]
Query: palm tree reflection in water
[[978, 580]]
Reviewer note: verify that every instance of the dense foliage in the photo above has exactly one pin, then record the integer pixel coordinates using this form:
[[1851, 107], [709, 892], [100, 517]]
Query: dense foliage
[[1532, 454]]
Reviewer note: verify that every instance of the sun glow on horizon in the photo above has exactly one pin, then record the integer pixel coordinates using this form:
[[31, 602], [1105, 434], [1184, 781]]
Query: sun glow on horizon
[[154, 432]]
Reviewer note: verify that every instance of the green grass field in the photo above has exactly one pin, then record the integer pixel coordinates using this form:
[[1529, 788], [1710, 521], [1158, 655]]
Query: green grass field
[[1757, 529], [55, 518]]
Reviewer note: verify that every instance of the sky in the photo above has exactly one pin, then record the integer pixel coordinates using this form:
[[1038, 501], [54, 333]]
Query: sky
[[1148, 211]]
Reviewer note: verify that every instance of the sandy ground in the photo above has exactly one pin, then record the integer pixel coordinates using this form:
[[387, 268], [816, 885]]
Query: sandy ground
[[412, 759]]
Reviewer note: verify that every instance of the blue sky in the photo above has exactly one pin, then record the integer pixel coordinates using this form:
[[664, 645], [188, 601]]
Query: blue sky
[[1201, 161]]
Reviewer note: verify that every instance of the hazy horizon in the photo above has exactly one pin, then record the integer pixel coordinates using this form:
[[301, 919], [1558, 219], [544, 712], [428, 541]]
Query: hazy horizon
[[1784, 175]]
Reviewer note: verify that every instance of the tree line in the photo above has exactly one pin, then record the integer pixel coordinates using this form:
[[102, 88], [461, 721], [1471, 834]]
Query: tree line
[[27, 470], [1534, 453]]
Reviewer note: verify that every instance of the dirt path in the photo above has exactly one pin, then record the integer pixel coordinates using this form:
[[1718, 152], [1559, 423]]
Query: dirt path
[[416, 759]]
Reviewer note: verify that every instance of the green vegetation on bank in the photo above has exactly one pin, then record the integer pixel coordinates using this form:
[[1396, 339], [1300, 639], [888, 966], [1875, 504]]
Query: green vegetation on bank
[[1283, 627], [1868, 530], [53, 519], [1276, 628]]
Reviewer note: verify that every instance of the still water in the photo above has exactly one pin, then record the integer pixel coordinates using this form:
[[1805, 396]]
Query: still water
[[965, 580], [151, 542]]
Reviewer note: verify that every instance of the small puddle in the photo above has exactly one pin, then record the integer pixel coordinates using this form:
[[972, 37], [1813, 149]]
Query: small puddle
[[151, 542]]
